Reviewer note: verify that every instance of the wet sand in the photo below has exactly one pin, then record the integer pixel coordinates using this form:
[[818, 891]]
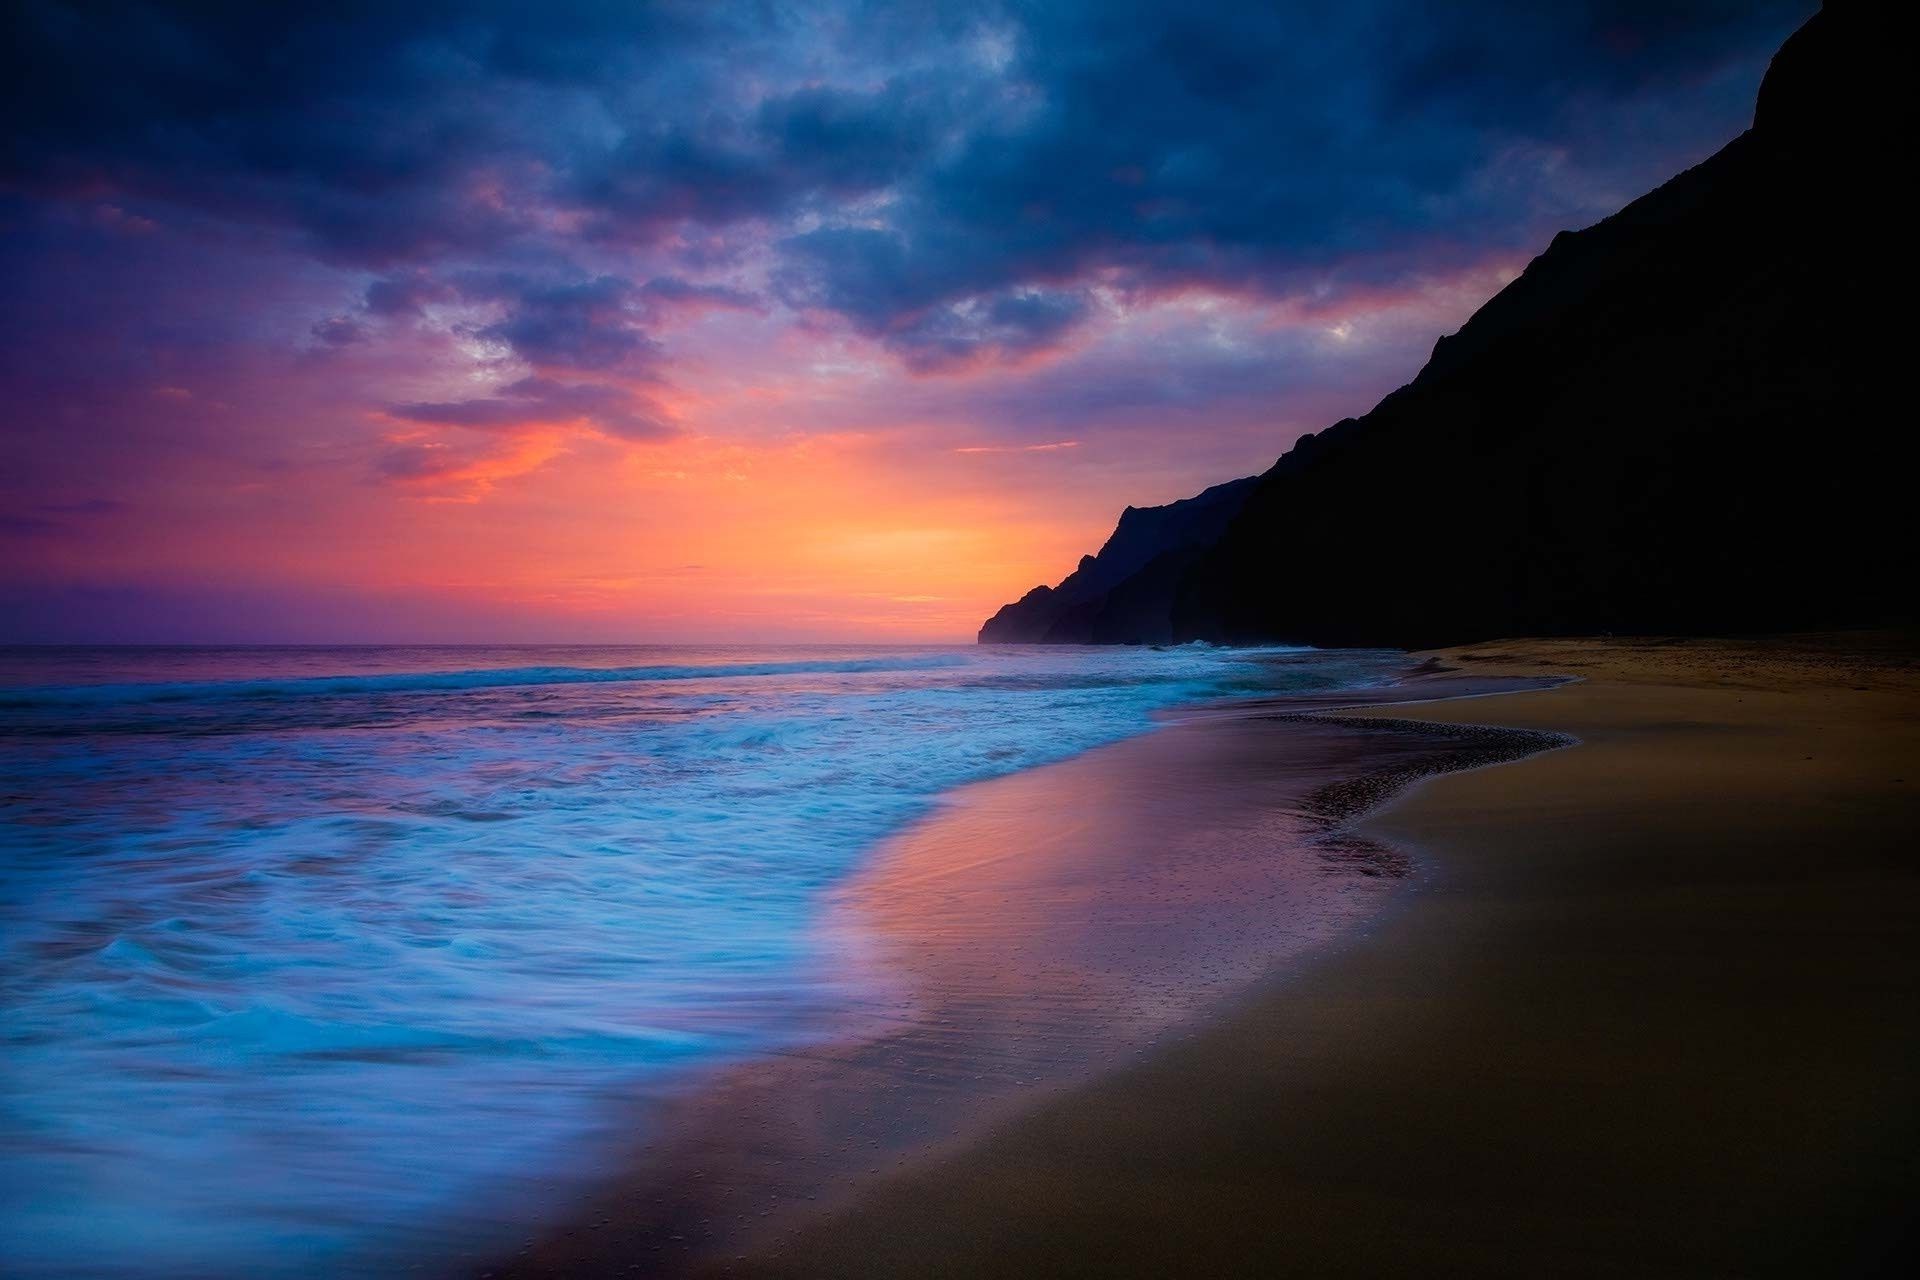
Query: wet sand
[[1645, 1008], [1035, 931]]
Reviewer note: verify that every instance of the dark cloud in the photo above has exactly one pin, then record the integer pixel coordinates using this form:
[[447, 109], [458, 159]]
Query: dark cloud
[[948, 178], [563, 322], [812, 148], [366, 126], [671, 292], [1011, 325], [339, 331], [591, 324], [839, 141], [920, 169], [860, 272], [406, 295], [1274, 148], [544, 401]]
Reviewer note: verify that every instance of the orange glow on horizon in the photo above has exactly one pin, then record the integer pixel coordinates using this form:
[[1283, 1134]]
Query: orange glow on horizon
[[807, 487]]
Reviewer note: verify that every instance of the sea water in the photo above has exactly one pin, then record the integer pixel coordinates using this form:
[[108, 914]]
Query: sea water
[[304, 951]]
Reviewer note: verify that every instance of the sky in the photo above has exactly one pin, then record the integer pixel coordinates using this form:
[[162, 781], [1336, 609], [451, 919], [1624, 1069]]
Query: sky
[[690, 322]]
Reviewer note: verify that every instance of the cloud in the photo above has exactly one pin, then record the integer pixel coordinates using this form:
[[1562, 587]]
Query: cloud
[[538, 402], [1269, 149], [919, 171], [1013, 325], [459, 241], [560, 319], [420, 460], [339, 331], [588, 325], [371, 129], [672, 293], [450, 471], [392, 114], [932, 320], [406, 295], [812, 146], [1049, 447]]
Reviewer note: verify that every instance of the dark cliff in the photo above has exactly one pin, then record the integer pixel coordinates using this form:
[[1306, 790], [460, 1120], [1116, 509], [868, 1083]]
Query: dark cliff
[[1125, 593], [1679, 419]]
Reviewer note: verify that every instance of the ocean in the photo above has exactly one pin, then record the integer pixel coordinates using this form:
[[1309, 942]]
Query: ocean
[[306, 950]]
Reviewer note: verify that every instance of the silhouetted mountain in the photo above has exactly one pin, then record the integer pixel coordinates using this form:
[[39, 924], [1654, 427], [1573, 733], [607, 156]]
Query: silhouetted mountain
[[1125, 593], [1676, 420]]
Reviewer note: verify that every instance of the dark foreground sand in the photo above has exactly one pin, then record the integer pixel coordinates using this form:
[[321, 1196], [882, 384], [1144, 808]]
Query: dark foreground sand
[[1651, 1009]]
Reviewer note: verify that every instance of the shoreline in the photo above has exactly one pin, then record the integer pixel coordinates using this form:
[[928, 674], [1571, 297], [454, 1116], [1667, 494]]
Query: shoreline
[[1652, 1015], [1039, 929]]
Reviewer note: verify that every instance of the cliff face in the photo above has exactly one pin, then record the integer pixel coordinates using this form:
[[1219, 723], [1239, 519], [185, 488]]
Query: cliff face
[[1124, 595], [1675, 420]]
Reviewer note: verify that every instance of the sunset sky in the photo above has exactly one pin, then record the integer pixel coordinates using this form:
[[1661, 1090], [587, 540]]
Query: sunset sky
[[625, 322]]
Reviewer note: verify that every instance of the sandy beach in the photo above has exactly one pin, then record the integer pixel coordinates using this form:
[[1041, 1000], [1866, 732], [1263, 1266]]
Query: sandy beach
[[1032, 933], [1645, 1008]]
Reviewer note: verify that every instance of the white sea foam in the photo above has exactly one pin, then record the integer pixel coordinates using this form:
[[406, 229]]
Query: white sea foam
[[304, 948]]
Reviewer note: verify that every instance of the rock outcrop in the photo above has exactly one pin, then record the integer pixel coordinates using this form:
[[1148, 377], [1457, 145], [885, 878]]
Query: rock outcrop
[[1125, 593], [1680, 419]]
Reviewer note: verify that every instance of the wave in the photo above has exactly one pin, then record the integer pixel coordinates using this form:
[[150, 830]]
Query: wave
[[93, 695], [531, 893]]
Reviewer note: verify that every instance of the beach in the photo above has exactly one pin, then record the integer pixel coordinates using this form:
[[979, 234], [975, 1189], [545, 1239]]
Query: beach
[[1034, 932], [1644, 1006], [794, 641]]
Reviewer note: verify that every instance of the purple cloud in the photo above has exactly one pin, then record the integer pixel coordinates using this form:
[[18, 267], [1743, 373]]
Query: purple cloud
[[541, 402]]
